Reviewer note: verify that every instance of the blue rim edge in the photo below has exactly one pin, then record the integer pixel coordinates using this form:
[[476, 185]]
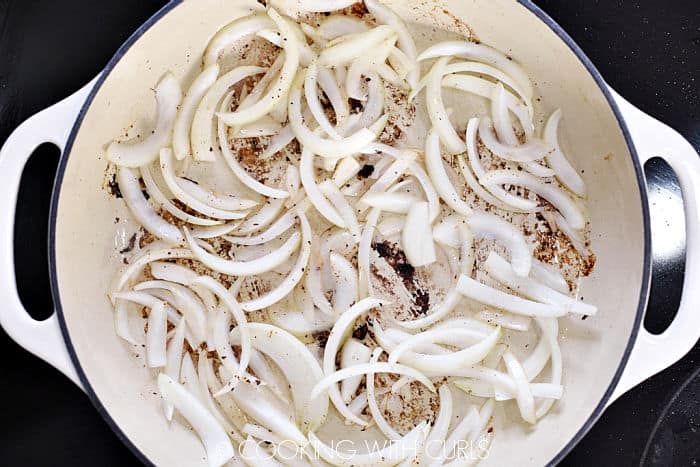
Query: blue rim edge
[[544, 17]]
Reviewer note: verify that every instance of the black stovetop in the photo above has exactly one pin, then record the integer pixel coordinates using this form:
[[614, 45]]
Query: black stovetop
[[648, 50]]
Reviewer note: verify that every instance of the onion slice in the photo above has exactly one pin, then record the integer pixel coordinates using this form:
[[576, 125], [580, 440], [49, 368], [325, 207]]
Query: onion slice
[[227, 36], [494, 227], [318, 200], [374, 409], [136, 154], [245, 268], [417, 236], [437, 112], [565, 173], [279, 89], [322, 6], [354, 352], [183, 122], [441, 182], [216, 442]]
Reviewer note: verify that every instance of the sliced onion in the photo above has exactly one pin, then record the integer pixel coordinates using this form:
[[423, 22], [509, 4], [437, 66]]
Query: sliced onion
[[245, 268], [330, 148], [278, 142], [526, 401], [335, 95], [502, 271], [187, 197], [391, 226], [300, 368], [225, 203], [297, 323], [399, 203], [435, 441], [121, 322], [505, 320], [217, 445], [279, 227], [159, 197], [308, 180], [264, 217], [501, 117], [549, 276], [142, 210], [388, 177], [314, 103], [552, 193], [450, 302], [228, 35], [354, 352], [137, 264], [374, 409], [188, 304], [373, 109], [183, 122], [390, 455], [531, 151], [563, 169], [504, 301], [174, 359], [349, 47], [202, 133], [366, 64], [338, 334], [255, 455], [340, 25], [346, 289], [417, 236], [437, 112], [278, 91], [365, 281], [510, 201], [441, 182], [265, 126], [346, 169], [481, 53], [494, 227], [341, 205], [294, 276], [214, 231], [322, 6], [550, 329], [157, 326], [136, 154], [431, 195]]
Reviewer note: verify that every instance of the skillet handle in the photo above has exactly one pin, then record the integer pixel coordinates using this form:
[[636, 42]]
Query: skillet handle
[[52, 125], [653, 353]]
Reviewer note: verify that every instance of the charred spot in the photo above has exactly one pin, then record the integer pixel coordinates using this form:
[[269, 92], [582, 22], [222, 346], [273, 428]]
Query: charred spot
[[321, 338], [366, 171], [130, 246], [113, 186], [360, 332]]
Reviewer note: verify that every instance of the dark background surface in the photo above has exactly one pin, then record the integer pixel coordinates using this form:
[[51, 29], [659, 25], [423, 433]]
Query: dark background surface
[[647, 49]]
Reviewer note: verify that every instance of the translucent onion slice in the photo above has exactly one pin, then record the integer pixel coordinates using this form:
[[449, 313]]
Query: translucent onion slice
[[228, 35], [438, 312], [504, 301], [278, 142], [217, 445], [278, 228], [487, 225], [297, 323], [502, 271], [265, 126], [363, 253], [346, 289], [480, 388], [277, 92], [340, 331], [202, 133], [505, 320], [294, 276], [373, 109], [156, 334], [335, 95], [565, 173], [388, 177], [364, 64], [430, 194], [314, 103], [437, 112], [299, 366], [174, 360], [531, 151], [438, 432], [385, 15], [135, 154], [391, 226], [459, 434], [259, 265], [342, 206], [121, 322], [341, 25], [226, 203], [347, 168], [389, 456], [343, 147], [504, 199], [354, 352], [398, 203], [448, 362], [349, 47], [482, 69], [159, 197], [220, 329], [319, 201], [550, 276], [187, 197], [183, 122], [481, 53], [417, 236], [188, 304], [136, 265], [264, 217], [501, 117], [142, 210], [214, 231], [526, 401], [550, 329], [441, 182], [551, 192], [238, 170], [374, 410]]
